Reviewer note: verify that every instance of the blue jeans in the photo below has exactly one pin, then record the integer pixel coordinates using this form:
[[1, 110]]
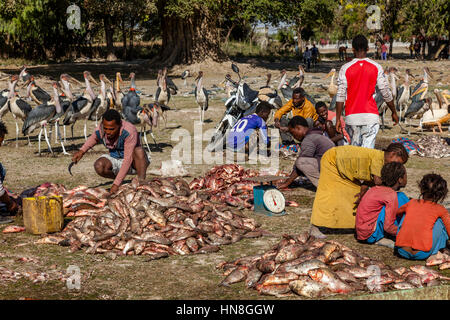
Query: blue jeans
[[363, 135], [440, 238], [383, 55], [378, 234]]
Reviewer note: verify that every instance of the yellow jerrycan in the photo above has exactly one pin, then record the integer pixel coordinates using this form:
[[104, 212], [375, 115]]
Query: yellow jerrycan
[[43, 214]]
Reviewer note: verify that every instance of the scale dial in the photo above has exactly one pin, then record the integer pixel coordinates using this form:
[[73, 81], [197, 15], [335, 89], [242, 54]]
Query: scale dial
[[274, 200]]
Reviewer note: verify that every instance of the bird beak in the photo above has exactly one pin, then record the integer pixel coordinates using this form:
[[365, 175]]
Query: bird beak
[[419, 90], [329, 74], [25, 84], [74, 81], [93, 80], [107, 80]]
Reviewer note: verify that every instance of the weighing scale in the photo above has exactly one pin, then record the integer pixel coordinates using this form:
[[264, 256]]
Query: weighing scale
[[267, 199]]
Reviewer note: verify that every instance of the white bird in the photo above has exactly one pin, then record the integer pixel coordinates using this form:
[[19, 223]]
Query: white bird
[[19, 108], [404, 93], [201, 96]]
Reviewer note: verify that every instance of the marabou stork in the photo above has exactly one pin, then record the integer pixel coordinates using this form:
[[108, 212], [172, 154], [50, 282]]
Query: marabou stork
[[403, 93], [36, 93], [162, 96], [332, 89], [416, 108], [102, 102], [141, 117], [269, 76], [201, 96], [79, 109], [18, 107], [43, 115], [184, 76], [24, 75], [170, 84], [287, 88], [131, 99], [4, 107]]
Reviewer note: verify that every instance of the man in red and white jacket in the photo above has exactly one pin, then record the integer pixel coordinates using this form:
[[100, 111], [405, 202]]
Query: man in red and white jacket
[[356, 86]]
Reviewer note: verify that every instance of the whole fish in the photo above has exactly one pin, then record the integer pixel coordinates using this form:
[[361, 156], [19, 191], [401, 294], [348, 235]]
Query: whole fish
[[253, 277], [278, 290], [403, 285], [207, 249], [307, 287], [238, 275], [427, 272], [289, 252], [303, 268], [328, 278], [150, 236], [278, 278], [13, 229]]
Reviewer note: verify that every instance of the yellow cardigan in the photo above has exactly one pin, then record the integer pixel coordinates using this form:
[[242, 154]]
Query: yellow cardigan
[[307, 110]]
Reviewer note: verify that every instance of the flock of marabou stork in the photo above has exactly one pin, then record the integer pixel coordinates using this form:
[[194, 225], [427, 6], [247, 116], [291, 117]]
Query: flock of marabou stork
[[62, 107]]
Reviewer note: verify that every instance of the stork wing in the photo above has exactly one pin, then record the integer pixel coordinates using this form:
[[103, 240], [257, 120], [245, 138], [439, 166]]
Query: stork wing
[[158, 92], [41, 94], [399, 93], [205, 92], [38, 114], [25, 107]]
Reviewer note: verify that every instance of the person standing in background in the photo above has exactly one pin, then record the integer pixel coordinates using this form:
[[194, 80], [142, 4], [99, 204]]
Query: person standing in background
[[356, 86]]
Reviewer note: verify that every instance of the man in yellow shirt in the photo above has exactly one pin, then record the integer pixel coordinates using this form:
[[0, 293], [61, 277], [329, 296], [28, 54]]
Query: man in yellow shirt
[[300, 106]]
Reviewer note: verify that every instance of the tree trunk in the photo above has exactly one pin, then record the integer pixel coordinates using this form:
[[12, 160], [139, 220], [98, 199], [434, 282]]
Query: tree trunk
[[227, 37], [188, 40], [391, 44], [299, 38], [124, 39], [109, 32], [130, 53]]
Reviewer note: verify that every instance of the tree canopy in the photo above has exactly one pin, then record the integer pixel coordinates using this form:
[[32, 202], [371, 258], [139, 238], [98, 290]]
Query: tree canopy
[[192, 30]]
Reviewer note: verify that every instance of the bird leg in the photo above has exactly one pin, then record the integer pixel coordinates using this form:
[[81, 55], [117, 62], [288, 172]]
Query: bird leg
[[29, 142], [58, 134], [60, 139], [64, 129], [46, 139], [85, 129], [39, 141], [154, 140], [17, 133], [71, 128]]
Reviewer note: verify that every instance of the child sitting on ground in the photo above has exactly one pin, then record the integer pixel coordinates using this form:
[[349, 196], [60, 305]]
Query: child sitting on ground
[[423, 230], [376, 213]]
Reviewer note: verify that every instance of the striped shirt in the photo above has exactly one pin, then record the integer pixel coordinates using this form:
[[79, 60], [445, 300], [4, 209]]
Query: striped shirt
[[122, 148], [356, 86]]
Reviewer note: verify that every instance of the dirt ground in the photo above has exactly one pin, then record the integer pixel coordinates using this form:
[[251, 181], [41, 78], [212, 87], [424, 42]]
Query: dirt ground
[[176, 277]]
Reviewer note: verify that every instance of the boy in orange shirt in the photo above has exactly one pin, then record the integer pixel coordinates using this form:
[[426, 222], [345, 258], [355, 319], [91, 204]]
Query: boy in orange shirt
[[423, 230]]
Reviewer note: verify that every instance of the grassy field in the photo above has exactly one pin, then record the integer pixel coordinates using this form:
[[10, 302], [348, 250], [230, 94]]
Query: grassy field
[[176, 277]]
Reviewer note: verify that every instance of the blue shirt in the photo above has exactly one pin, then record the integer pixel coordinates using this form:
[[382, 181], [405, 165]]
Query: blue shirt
[[240, 134]]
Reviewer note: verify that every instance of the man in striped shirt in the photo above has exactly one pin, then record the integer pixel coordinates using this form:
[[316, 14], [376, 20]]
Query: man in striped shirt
[[356, 86], [126, 155]]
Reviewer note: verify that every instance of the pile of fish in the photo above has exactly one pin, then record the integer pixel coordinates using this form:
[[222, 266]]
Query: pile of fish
[[313, 268], [157, 218], [229, 184], [441, 259], [433, 146]]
